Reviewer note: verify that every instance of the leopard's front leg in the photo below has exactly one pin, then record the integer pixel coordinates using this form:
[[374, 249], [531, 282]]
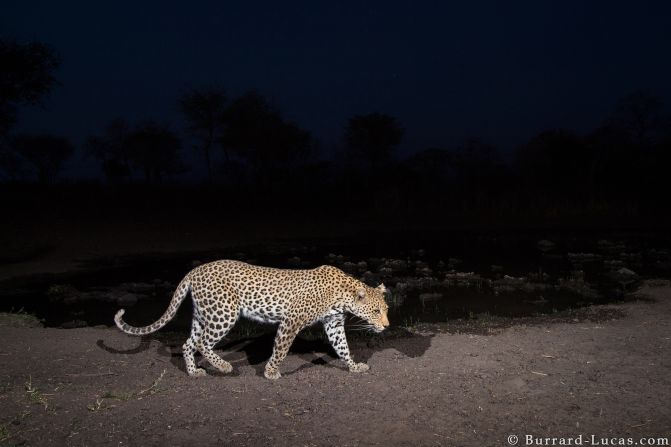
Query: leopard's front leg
[[335, 330], [286, 333]]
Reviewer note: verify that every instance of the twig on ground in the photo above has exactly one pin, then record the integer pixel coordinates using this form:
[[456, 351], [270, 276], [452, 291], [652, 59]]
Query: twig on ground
[[91, 375], [154, 386]]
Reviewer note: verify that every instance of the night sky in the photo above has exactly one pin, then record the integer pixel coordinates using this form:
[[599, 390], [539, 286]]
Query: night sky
[[501, 71]]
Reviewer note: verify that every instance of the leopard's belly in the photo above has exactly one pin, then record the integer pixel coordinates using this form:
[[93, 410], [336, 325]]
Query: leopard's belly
[[262, 315]]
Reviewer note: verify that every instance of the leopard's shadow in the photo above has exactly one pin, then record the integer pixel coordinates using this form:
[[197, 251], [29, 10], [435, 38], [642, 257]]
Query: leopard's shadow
[[255, 351]]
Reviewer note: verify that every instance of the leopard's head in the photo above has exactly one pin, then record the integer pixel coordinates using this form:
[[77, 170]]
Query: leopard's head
[[369, 305]]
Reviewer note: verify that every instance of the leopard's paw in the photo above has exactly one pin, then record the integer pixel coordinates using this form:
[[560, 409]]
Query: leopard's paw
[[198, 372], [272, 374], [359, 368], [224, 367]]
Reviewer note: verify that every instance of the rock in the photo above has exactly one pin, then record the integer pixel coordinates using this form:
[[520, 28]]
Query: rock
[[422, 283], [610, 247], [73, 324], [462, 279], [349, 267], [579, 287], [509, 284], [425, 271], [545, 245], [385, 271], [626, 272], [429, 297], [396, 264], [137, 287], [127, 300], [294, 261], [64, 293], [332, 258], [583, 257], [368, 275], [624, 277], [453, 262], [374, 263]]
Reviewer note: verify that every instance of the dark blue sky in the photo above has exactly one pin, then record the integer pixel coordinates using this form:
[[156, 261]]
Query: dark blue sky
[[448, 70]]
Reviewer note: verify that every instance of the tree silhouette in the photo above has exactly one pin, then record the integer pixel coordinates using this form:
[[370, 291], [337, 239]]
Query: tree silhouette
[[111, 149], [204, 110], [558, 161], [25, 78], [373, 137], [476, 161], [640, 114], [423, 177], [155, 150], [45, 153], [27, 75], [11, 164], [430, 165], [256, 132]]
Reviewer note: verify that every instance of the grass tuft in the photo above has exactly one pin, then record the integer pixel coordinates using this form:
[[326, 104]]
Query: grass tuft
[[19, 318]]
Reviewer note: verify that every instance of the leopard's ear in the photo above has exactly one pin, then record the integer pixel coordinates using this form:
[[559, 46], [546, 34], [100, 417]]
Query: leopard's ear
[[382, 288], [360, 293]]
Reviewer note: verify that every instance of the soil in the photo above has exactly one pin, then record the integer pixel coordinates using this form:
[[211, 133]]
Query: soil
[[606, 373]]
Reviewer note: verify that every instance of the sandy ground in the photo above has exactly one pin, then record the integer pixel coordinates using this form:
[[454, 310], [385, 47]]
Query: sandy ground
[[97, 386]]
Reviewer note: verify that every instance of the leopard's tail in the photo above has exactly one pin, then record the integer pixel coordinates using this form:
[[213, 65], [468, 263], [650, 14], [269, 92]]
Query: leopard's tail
[[182, 291]]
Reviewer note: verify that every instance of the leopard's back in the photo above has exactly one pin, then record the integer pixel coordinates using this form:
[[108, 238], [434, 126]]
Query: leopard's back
[[263, 293]]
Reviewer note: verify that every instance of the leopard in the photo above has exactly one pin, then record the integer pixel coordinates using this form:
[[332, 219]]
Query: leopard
[[293, 299]]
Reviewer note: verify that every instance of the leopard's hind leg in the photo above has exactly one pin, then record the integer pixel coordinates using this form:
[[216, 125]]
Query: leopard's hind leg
[[189, 349], [217, 321]]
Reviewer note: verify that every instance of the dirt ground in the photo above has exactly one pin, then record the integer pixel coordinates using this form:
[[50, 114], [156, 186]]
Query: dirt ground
[[97, 386]]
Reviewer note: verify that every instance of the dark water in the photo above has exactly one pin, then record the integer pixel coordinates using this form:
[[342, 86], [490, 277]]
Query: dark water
[[432, 276]]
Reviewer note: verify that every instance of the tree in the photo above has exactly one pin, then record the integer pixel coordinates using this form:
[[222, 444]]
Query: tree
[[45, 153], [204, 110], [557, 160], [155, 150], [257, 132], [425, 173], [373, 137], [640, 114], [430, 165], [111, 150], [476, 161], [27, 76], [11, 164]]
